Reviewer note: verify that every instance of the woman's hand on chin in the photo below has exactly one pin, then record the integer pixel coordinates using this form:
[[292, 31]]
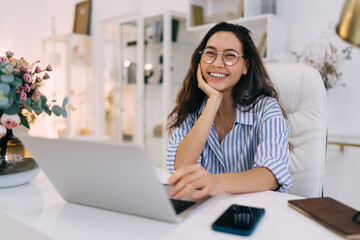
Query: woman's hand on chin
[[205, 87]]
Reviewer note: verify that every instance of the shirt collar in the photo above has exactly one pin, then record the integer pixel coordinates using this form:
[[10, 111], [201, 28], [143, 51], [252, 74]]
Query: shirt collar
[[241, 116]]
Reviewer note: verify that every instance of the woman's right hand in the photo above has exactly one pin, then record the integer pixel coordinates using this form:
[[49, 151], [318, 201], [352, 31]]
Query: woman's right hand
[[205, 87]]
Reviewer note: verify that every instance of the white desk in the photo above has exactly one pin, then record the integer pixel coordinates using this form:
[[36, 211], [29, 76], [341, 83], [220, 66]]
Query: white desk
[[38, 206]]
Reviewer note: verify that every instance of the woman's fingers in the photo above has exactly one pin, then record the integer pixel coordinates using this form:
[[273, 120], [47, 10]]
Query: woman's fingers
[[205, 87], [189, 178], [180, 173]]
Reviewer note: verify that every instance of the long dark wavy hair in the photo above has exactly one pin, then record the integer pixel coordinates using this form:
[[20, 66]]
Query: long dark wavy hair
[[252, 86]]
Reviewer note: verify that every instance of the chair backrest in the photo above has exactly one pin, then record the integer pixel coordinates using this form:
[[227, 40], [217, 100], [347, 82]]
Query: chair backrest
[[303, 97]]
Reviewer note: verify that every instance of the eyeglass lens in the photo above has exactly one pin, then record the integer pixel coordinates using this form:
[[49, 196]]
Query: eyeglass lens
[[230, 57]]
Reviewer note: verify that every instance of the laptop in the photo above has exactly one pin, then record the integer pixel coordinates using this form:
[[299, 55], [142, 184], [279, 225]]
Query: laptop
[[112, 176]]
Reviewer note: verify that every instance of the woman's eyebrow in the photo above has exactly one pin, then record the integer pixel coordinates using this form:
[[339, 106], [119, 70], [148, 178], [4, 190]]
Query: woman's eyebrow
[[231, 49]]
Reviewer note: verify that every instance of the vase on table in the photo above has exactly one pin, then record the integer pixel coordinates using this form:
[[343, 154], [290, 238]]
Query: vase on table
[[16, 164]]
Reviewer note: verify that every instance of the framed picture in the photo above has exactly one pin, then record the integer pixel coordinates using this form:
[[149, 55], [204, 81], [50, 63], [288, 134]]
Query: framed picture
[[82, 18]]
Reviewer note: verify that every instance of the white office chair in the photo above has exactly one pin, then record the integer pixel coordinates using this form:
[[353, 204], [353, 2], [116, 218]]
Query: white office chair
[[303, 97]]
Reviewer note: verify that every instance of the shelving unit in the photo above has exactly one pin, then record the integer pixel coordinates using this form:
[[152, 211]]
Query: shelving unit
[[70, 57], [208, 12], [141, 86], [257, 20]]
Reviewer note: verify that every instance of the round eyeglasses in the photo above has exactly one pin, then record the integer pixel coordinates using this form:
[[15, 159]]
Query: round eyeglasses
[[230, 57]]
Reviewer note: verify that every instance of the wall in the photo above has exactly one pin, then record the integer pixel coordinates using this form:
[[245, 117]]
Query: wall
[[319, 21]]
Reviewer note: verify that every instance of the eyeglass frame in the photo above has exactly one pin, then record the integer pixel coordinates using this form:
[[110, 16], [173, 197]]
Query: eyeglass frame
[[216, 53]]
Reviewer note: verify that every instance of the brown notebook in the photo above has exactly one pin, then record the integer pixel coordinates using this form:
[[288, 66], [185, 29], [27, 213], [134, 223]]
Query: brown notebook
[[333, 214]]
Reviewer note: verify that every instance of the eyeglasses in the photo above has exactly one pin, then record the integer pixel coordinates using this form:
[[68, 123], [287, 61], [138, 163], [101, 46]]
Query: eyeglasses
[[230, 57]]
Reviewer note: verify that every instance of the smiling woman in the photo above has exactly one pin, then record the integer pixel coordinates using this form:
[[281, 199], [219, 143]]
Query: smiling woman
[[228, 131]]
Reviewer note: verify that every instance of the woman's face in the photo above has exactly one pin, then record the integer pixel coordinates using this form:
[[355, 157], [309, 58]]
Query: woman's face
[[217, 74]]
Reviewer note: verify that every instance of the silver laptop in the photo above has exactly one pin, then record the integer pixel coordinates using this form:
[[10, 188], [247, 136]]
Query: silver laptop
[[111, 176]]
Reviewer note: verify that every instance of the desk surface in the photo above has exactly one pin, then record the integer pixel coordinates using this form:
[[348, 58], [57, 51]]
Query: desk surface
[[38, 206]]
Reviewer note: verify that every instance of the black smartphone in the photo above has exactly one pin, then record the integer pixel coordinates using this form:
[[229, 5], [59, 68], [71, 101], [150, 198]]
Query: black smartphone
[[238, 219]]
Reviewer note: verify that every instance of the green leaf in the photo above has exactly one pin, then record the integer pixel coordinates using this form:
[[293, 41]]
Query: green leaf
[[43, 99], [46, 109], [38, 103], [11, 97], [17, 82], [27, 103], [7, 78], [56, 110], [37, 109], [14, 109], [24, 120], [63, 112], [65, 101], [17, 98]]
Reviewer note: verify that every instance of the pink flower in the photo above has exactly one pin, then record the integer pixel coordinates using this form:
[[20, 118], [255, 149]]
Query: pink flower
[[10, 121], [27, 77], [32, 86], [38, 69], [22, 96], [46, 76], [36, 95], [2, 131], [9, 54], [38, 79], [48, 68], [27, 88], [23, 68], [19, 89], [2, 59]]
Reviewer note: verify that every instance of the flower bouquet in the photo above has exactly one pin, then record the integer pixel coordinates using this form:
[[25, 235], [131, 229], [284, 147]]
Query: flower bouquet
[[20, 96], [328, 62]]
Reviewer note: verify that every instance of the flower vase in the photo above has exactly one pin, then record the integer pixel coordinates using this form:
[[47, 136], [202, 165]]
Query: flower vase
[[16, 164]]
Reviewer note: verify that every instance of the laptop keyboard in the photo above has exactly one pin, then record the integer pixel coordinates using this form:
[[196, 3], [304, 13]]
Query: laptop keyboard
[[181, 205]]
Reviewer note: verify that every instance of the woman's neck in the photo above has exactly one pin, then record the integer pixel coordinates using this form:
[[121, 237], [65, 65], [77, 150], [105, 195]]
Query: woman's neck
[[225, 118], [227, 107]]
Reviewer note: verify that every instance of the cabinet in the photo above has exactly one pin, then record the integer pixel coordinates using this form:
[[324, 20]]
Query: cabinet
[[70, 57], [145, 60]]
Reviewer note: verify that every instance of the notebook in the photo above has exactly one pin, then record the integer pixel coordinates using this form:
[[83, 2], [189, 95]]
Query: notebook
[[331, 213], [117, 177]]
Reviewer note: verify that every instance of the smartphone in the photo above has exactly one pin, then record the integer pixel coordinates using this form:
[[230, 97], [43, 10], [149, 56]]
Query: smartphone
[[238, 219]]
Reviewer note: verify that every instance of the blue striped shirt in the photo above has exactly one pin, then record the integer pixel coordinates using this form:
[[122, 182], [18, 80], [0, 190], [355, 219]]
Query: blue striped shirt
[[259, 138]]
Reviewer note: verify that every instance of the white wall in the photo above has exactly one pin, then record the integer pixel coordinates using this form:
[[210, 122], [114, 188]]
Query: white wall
[[310, 21]]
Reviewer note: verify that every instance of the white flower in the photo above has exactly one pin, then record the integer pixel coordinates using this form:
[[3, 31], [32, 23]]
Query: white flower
[[10, 121], [2, 131]]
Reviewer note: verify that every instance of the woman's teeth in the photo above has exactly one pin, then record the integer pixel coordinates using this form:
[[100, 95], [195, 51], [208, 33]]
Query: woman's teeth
[[218, 75]]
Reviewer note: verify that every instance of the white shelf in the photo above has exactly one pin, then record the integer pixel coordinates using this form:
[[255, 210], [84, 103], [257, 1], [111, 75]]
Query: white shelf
[[211, 11], [70, 57], [150, 102], [276, 40]]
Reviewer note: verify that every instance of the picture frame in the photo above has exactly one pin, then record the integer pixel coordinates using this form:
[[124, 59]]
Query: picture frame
[[82, 18]]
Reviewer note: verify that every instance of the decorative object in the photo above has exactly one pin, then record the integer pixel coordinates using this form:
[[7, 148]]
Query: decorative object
[[197, 15], [349, 26], [82, 18], [20, 97], [327, 61], [158, 131]]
